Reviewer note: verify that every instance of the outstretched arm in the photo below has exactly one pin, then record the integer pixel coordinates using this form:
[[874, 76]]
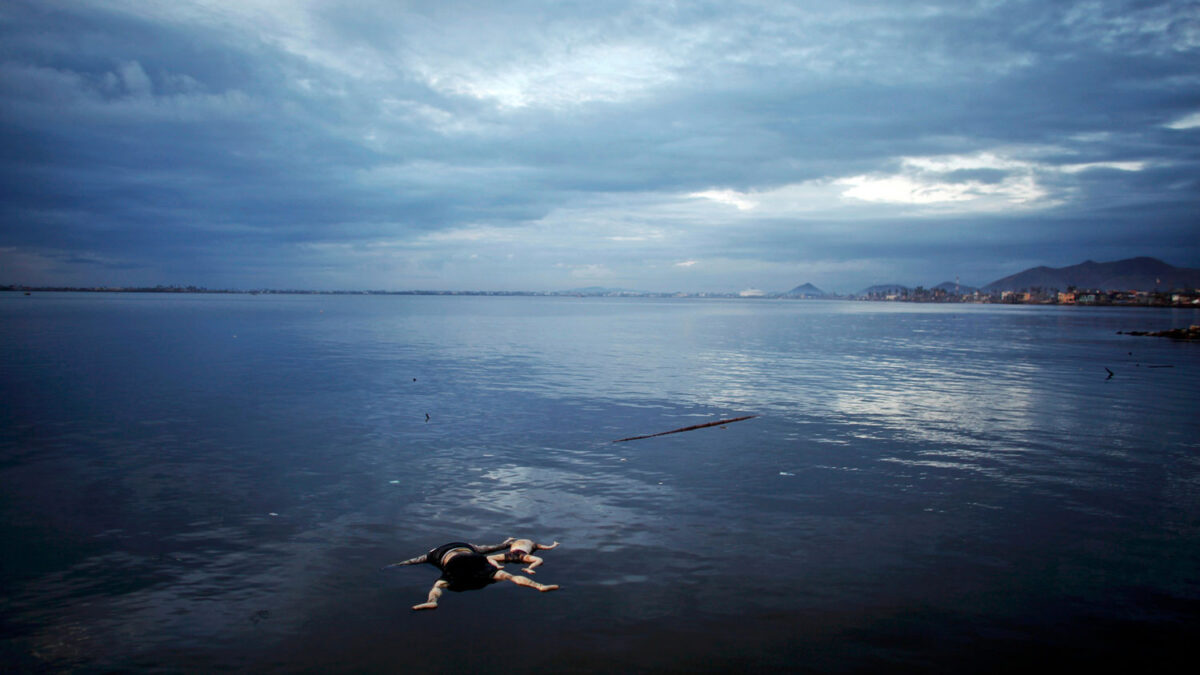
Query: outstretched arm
[[543, 547], [491, 548]]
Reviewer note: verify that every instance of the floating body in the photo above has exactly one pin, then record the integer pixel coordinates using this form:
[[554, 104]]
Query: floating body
[[465, 567]]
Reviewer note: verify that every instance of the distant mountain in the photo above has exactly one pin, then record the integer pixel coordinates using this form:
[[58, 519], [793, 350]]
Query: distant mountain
[[1142, 274], [805, 291], [953, 287], [884, 289]]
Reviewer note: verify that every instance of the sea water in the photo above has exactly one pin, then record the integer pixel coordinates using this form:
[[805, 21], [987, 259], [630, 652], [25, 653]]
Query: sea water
[[194, 482]]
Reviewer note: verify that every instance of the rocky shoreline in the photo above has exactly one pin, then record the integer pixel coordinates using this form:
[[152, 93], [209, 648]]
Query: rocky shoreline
[[1189, 333]]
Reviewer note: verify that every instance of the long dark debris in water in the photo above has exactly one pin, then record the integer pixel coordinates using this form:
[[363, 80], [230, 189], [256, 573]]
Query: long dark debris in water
[[691, 428]]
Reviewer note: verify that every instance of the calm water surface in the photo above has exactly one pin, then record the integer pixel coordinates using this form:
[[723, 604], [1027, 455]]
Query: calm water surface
[[207, 482]]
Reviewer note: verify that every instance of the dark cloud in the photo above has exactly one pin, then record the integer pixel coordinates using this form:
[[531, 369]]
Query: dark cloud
[[704, 147]]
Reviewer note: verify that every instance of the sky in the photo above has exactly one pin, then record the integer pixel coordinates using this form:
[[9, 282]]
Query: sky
[[532, 146]]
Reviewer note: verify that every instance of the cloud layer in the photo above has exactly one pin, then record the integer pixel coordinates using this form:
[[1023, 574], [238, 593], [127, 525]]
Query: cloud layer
[[540, 146]]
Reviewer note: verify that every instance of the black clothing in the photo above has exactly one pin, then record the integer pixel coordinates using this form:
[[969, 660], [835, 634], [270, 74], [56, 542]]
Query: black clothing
[[468, 570]]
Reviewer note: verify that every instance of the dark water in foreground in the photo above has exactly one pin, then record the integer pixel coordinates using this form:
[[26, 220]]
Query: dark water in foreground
[[201, 483]]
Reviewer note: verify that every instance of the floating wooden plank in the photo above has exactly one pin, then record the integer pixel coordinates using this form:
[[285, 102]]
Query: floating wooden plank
[[691, 428]]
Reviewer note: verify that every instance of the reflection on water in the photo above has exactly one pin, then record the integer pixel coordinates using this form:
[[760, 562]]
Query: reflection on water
[[204, 482]]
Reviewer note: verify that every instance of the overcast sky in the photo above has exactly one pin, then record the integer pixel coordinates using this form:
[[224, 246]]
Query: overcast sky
[[661, 146]]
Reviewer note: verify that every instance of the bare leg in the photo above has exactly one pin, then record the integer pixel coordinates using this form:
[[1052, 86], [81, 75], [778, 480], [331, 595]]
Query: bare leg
[[434, 594], [525, 581], [533, 561]]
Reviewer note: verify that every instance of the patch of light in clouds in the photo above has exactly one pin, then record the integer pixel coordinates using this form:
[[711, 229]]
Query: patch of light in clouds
[[733, 198], [1117, 166], [948, 180], [605, 72], [1186, 122], [919, 181]]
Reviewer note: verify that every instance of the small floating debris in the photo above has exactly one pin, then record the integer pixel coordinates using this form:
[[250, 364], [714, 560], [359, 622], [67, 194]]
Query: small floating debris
[[273, 514], [691, 428], [393, 482], [786, 473]]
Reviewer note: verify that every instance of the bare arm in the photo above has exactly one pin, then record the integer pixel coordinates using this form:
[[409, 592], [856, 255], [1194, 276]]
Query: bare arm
[[543, 547], [491, 548]]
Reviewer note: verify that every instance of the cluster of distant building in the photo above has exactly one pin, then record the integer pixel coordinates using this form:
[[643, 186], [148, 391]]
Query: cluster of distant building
[[1042, 296]]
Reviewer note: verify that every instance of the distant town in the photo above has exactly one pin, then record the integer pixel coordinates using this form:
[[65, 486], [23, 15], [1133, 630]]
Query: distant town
[[1040, 296], [1144, 282]]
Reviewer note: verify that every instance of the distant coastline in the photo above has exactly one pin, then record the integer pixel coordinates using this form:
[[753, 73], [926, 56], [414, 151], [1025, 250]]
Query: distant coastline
[[917, 295], [1135, 282]]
